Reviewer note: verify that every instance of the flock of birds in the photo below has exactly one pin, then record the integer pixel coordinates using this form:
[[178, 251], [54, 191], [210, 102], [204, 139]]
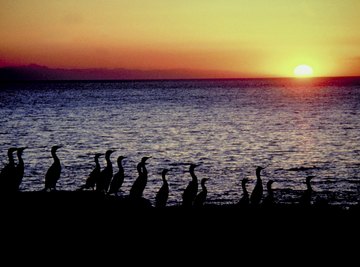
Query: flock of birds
[[105, 182]]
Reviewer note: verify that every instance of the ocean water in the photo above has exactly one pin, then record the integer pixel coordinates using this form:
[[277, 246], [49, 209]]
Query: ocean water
[[293, 127]]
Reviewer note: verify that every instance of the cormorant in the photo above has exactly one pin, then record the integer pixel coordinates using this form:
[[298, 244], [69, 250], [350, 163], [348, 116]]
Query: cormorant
[[8, 173], [138, 186], [102, 184], [163, 193], [53, 173], [244, 200], [19, 169], [201, 197], [305, 199], [192, 188], [257, 193], [269, 199], [94, 174], [118, 178]]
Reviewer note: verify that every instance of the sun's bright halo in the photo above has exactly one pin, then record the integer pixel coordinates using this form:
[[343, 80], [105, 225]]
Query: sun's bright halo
[[303, 71]]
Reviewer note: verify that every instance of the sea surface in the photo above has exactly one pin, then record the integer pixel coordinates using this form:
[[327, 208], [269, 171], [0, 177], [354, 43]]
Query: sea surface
[[293, 127]]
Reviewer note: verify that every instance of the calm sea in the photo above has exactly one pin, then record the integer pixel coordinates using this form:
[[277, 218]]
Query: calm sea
[[295, 128]]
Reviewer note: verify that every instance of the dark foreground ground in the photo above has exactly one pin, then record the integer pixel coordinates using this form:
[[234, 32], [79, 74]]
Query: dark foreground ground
[[61, 224], [89, 206]]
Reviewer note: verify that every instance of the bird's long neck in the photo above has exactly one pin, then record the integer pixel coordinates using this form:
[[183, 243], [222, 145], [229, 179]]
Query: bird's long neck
[[270, 191], [258, 177], [164, 179], [97, 164], [11, 158], [138, 167], [243, 185], [108, 162], [144, 170], [193, 176], [20, 160], [121, 168], [203, 187], [55, 157], [308, 185]]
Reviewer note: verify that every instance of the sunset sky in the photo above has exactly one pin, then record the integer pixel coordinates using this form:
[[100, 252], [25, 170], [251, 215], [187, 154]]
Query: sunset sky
[[254, 38]]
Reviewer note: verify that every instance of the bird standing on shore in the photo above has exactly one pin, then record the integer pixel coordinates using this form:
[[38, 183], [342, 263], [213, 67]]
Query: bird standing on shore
[[201, 197], [53, 173], [305, 199], [192, 188], [257, 193], [8, 173], [163, 193], [269, 199], [20, 168], [102, 184], [118, 178], [94, 174], [244, 201], [139, 185]]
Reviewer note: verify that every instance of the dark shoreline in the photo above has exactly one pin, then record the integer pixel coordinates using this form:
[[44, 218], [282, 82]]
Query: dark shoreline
[[86, 201]]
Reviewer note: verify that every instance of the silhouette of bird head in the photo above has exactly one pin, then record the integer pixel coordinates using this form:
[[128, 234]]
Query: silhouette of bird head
[[120, 158], [193, 166], [109, 152], [203, 180], [144, 159], [98, 155], [269, 183], [164, 172], [258, 170], [20, 150], [54, 148]]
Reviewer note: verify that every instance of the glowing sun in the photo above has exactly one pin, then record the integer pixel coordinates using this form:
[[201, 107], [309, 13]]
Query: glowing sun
[[303, 71]]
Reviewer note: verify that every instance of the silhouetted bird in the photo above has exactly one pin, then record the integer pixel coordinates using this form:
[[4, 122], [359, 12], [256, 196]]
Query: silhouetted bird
[[163, 193], [305, 199], [201, 197], [20, 167], [192, 188], [8, 173], [53, 173], [139, 185], [94, 174], [269, 199], [257, 193], [102, 184], [244, 201], [118, 178]]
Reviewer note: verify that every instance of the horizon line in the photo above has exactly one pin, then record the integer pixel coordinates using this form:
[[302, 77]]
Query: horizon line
[[49, 79]]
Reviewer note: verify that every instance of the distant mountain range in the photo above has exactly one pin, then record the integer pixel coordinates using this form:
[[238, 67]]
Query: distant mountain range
[[37, 72]]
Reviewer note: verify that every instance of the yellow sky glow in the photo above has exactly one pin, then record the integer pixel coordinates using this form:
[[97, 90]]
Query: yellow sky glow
[[258, 38]]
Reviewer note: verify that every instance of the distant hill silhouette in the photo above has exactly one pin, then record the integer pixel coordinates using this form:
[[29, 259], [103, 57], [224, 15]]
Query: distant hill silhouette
[[37, 72]]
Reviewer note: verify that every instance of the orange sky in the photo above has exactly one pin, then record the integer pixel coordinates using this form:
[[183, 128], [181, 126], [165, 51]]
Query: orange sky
[[255, 38]]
